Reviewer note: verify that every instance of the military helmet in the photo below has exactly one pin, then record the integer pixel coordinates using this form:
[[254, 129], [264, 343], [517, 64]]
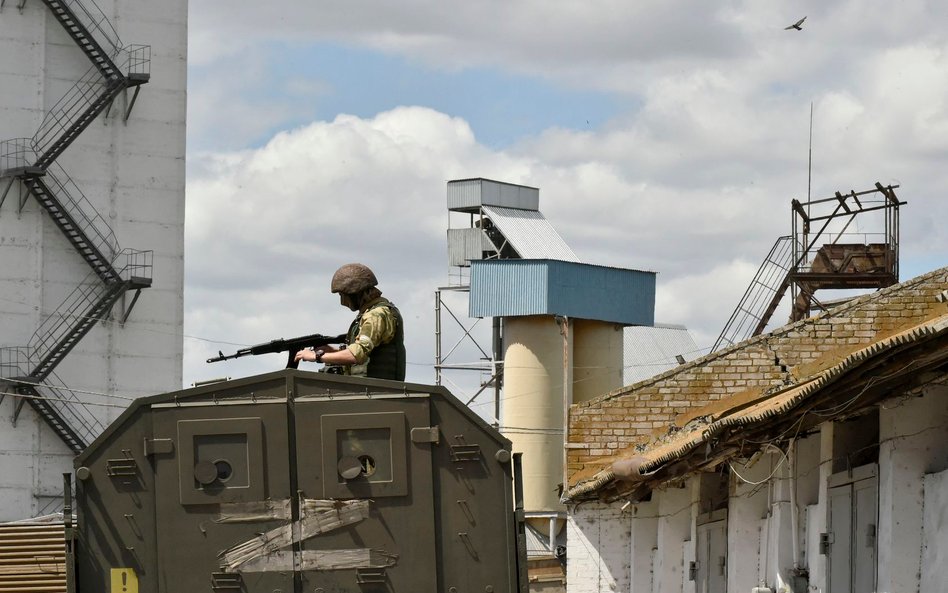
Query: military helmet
[[353, 278]]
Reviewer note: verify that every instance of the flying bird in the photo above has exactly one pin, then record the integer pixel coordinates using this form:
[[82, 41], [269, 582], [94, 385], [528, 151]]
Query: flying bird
[[797, 25]]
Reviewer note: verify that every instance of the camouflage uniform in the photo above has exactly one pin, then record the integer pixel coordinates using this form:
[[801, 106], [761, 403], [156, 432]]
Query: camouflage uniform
[[377, 325]]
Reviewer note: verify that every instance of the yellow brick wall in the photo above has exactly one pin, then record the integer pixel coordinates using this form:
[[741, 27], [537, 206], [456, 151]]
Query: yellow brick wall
[[603, 426]]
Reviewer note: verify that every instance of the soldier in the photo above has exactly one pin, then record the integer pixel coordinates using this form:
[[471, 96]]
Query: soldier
[[376, 338]]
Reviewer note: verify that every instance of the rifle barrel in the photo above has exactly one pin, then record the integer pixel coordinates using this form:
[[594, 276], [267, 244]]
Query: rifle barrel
[[282, 345]]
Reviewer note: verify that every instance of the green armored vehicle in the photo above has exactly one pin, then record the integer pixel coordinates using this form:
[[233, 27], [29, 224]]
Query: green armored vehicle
[[296, 482]]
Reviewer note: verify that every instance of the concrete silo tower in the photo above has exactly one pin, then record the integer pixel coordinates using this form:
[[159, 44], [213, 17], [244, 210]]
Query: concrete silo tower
[[560, 324], [92, 147]]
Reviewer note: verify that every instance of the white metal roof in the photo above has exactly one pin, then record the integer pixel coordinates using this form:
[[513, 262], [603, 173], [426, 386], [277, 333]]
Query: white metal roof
[[530, 233], [649, 351]]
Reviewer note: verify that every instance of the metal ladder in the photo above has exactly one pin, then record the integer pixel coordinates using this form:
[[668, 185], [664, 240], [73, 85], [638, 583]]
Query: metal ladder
[[762, 296]]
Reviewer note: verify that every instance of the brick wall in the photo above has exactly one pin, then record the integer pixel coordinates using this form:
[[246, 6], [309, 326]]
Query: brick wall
[[603, 427]]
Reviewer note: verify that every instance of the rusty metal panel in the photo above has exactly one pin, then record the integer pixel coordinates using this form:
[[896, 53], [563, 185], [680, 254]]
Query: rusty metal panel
[[847, 258]]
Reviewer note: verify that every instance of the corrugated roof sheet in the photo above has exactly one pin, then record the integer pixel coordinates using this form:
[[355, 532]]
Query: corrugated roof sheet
[[648, 351], [724, 427], [530, 233], [32, 557]]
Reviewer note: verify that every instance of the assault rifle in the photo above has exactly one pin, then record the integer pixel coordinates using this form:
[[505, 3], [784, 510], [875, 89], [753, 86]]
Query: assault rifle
[[292, 346]]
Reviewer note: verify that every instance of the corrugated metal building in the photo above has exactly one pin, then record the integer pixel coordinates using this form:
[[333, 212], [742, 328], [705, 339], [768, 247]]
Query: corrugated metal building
[[515, 287], [649, 351]]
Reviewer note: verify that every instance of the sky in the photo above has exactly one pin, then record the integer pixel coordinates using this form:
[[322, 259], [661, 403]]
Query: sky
[[667, 136]]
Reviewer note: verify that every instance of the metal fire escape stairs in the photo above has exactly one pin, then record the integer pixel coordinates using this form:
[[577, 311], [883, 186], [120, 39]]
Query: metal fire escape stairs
[[31, 161], [803, 263]]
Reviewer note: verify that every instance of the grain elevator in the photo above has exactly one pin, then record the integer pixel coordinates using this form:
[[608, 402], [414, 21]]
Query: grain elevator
[[92, 148]]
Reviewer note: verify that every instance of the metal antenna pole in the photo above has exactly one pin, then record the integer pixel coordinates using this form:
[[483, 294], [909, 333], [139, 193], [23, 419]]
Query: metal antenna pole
[[809, 165]]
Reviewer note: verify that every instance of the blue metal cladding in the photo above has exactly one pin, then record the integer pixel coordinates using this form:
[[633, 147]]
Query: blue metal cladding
[[518, 287]]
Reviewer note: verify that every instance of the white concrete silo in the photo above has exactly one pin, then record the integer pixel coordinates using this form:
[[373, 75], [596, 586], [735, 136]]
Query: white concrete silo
[[549, 363], [559, 339], [100, 124]]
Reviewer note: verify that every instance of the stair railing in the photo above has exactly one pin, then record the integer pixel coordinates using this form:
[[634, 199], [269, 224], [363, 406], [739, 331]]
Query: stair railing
[[70, 108], [96, 229], [762, 295], [90, 16], [71, 407], [87, 304], [16, 154]]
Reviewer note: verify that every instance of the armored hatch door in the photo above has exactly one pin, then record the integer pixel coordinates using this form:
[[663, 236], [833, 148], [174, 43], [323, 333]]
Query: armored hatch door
[[222, 482], [363, 477]]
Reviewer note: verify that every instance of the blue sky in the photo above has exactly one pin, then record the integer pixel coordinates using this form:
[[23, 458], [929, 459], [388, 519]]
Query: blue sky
[[500, 106]]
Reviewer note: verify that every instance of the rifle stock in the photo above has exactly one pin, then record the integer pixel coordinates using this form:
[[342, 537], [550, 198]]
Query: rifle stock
[[291, 346]]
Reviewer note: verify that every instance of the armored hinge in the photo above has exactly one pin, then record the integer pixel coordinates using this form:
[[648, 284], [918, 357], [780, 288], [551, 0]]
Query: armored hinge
[[425, 434], [158, 446]]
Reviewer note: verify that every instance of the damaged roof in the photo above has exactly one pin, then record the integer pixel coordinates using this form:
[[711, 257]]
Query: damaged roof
[[835, 386]]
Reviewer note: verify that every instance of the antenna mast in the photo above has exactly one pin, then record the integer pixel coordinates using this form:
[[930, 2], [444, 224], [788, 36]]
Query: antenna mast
[[809, 164]]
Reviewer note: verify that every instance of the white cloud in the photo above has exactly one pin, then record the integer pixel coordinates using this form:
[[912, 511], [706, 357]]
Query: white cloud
[[693, 182]]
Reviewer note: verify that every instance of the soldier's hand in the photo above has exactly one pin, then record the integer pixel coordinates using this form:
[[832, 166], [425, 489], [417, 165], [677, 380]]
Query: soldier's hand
[[309, 355]]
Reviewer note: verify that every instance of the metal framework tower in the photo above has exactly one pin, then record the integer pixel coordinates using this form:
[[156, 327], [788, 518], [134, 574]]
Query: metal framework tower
[[824, 252]]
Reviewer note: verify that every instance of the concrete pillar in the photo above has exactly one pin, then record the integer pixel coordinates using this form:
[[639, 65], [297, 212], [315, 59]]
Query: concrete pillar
[[746, 507], [912, 436], [783, 543], [674, 528], [643, 546], [598, 545]]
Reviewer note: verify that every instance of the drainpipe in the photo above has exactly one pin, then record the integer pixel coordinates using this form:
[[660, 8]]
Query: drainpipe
[[563, 322]]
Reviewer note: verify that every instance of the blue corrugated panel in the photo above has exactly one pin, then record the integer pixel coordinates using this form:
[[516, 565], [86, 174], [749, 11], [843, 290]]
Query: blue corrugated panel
[[517, 287]]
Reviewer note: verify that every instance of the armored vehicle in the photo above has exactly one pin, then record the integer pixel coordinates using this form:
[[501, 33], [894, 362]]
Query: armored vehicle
[[296, 482]]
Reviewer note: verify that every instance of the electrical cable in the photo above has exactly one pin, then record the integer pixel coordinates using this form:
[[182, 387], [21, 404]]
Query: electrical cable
[[746, 481], [62, 401], [64, 388]]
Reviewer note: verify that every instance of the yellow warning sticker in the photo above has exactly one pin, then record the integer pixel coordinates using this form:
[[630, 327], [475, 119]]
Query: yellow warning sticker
[[124, 580]]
